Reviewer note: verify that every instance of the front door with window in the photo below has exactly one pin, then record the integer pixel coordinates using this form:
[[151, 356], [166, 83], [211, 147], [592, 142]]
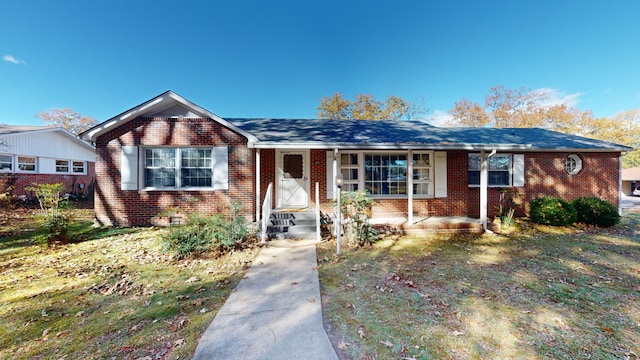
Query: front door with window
[[293, 179]]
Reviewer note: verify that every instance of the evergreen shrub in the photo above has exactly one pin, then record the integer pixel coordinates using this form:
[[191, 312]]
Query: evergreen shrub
[[552, 210]]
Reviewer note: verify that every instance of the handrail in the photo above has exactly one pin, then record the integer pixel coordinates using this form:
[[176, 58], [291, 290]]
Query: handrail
[[266, 213]]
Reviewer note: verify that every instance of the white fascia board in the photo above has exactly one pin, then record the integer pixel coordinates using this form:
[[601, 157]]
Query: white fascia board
[[315, 145], [154, 105]]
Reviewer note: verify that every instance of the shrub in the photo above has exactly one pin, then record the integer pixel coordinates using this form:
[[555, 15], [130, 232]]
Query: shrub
[[194, 237], [356, 210], [201, 234], [53, 208], [552, 211], [594, 211], [232, 230]]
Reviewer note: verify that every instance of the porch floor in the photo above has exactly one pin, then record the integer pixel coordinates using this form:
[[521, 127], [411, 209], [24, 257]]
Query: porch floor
[[438, 224]]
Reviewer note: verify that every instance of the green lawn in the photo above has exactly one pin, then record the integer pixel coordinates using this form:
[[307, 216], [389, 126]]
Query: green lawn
[[535, 293], [115, 294]]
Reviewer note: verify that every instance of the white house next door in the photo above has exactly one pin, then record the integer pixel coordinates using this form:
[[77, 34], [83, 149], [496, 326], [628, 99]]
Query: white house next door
[[292, 177]]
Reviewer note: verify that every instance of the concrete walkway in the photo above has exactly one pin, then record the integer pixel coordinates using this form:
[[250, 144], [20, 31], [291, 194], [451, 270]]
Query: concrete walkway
[[274, 313]]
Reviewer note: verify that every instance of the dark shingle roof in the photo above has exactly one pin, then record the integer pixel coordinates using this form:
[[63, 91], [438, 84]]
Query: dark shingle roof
[[416, 134]]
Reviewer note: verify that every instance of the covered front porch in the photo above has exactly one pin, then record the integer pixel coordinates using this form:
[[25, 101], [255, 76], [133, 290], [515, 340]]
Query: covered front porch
[[308, 181]]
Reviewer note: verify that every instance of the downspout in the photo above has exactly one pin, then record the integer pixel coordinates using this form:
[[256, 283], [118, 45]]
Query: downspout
[[620, 192], [484, 187]]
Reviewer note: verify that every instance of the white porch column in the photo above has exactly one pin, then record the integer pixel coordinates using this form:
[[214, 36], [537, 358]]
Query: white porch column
[[484, 187], [410, 187], [335, 189], [258, 185]]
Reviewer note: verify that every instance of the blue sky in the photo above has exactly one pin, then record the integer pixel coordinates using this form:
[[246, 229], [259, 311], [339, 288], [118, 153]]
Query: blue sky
[[278, 58]]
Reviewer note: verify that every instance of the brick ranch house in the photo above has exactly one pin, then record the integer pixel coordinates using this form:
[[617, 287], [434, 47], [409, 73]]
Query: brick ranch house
[[169, 153], [44, 154]]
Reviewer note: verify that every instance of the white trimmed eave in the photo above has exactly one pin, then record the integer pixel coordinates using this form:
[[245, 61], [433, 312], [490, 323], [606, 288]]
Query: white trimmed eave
[[413, 146], [155, 105], [330, 146]]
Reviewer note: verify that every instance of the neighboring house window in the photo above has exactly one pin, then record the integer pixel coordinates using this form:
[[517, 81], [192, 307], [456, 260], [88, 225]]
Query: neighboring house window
[[27, 163], [349, 165], [62, 166], [500, 167], [178, 167], [385, 174], [572, 164], [78, 167], [6, 162], [422, 173]]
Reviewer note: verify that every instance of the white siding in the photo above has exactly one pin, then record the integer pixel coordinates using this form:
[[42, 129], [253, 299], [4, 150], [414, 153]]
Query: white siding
[[49, 144]]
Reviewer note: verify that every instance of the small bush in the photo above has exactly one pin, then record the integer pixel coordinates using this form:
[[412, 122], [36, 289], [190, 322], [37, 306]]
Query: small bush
[[57, 228], [53, 208], [194, 237], [551, 210], [233, 229], [201, 234], [594, 211], [356, 211]]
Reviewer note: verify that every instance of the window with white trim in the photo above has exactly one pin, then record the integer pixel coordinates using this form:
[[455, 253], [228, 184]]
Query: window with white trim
[[500, 169], [78, 167], [6, 162], [62, 166], [385, 174], [422, 173], [27, 163], [178, 167], [349, 167]]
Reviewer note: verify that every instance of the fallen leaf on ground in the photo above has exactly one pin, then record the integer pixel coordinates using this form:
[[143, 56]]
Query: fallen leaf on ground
[[361, 331], [342, 345], [179, 342], [458, 333], [386, 343]]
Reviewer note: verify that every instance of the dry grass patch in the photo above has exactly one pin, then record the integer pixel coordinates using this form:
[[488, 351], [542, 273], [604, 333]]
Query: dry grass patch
[[115, 294], [536, 293]]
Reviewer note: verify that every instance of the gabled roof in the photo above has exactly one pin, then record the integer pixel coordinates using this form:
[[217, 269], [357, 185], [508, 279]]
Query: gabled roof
[[159, 105], [372, 134], [292, 133], [10, 130]]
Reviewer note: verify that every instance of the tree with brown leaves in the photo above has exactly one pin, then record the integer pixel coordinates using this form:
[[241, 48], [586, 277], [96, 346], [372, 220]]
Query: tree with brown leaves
[[67, 119]]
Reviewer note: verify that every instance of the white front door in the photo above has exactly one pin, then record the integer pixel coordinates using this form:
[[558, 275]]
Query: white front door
[[293, 179]]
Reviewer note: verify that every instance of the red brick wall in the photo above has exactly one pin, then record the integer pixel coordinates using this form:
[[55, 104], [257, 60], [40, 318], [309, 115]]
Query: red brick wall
[[544, 176], [138, 207], [70, 182], [267, 174]]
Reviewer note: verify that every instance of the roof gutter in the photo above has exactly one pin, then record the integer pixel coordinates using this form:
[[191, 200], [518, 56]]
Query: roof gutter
[[331, 146]]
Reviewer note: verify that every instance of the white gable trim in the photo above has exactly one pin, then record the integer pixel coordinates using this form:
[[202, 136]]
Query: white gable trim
[[153, 106]]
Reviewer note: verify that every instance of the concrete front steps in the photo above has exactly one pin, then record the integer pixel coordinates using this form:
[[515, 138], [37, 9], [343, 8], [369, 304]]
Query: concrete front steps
[[292, 224]]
